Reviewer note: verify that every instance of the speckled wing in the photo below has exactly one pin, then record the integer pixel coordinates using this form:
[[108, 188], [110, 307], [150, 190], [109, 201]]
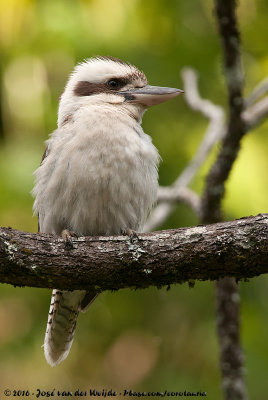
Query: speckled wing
[[62, 317]]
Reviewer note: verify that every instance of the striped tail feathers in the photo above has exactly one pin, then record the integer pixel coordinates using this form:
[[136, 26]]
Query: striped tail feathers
[[62, 318]]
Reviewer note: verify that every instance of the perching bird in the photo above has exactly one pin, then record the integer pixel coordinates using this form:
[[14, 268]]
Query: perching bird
[[99, 173]]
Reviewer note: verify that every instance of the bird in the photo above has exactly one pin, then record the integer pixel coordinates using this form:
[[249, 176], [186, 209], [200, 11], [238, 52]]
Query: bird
[[98, 174]]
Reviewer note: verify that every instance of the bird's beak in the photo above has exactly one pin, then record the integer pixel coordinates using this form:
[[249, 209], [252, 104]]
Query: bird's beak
[[150, 95]]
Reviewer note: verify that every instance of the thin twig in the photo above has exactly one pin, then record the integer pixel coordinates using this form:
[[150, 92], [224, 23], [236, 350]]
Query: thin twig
[[182, 194], [254, 115], [257, 92], [215, 130]]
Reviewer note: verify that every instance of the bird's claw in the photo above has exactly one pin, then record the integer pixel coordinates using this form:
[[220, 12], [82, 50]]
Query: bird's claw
[[131, 234], [67, 237]]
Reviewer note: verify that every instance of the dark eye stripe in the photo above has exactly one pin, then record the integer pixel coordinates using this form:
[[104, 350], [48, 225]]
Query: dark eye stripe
[[84, 88]]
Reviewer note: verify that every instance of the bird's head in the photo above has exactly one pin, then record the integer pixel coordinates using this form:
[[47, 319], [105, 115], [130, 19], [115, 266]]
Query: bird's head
[[108, 81]]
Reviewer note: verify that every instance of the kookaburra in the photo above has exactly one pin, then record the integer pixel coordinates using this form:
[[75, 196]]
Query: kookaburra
[[99, 173]]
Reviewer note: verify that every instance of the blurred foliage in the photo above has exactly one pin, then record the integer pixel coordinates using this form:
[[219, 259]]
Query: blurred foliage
[[144, 340]]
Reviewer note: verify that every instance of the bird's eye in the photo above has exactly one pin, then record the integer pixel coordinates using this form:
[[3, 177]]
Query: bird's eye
[[113, 84]]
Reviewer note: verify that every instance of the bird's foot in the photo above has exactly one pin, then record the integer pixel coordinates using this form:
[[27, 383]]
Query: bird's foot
[[67, 237], [131, 234]]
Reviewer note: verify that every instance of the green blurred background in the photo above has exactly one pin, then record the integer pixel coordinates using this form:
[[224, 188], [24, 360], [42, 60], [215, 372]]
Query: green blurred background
[[151, 339]]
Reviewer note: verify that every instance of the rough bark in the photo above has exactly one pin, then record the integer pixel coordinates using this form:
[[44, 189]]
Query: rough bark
[[231, 355], [238, 248]]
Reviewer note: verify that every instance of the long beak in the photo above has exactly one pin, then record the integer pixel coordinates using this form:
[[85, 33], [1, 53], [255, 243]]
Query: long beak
[[150, 95]]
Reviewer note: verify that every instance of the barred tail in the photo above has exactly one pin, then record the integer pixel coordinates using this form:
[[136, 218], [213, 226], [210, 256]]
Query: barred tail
[[62, 318]]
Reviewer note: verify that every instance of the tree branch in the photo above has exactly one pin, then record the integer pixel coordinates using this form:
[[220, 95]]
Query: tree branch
[[236, 127], [227, 295], [173, 194], [214, 132], [257, 92], [237, 248], [254, 115], [216, 127]]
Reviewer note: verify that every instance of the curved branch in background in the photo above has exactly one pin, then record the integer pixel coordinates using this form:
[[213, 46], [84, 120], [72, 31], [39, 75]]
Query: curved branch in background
[[255, 115], [237, 248], [183, 194], [257, 92], [213, 134], [251, 117]]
